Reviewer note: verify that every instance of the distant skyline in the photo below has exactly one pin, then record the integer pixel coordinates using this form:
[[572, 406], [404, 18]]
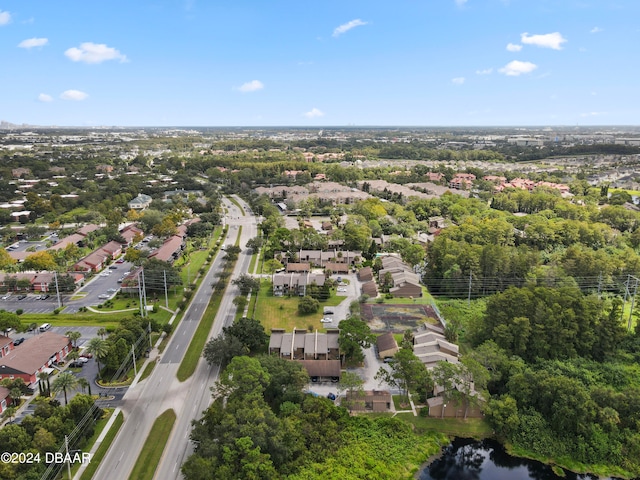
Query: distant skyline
[[256, 63]]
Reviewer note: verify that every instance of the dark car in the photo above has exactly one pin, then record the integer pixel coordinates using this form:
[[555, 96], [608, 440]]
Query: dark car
[[76, 364], [45, 296], [18, 341], [21, 297]]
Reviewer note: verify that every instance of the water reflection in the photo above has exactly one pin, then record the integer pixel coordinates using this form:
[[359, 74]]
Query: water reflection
[[467, 459]]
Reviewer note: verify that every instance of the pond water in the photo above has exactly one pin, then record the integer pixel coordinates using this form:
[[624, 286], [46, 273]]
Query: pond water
[[467, 459]]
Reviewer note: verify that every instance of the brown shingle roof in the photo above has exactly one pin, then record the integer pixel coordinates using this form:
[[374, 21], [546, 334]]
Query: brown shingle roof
[[321, 368], [34, 352], [386, 341]]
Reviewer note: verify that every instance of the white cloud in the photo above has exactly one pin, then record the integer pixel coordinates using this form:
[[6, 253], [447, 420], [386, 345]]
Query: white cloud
[[345, 27], [43, 97], [76, 95], [94, 53], [595, 30], [514, 47], [5, 17], [314, 113], [252, 86], [548, 40], [457, 80], [460, 3], [486, 71], [516, 68], [33, 42], [592, 114]]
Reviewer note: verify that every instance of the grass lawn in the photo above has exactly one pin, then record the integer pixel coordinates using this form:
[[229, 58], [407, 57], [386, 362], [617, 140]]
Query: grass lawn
[[147, 370], [102, 449], [282, 312], [252, 263], [153, 447], [426, 299], [85, 319]]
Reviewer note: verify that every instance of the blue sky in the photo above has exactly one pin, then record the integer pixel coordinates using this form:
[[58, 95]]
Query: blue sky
[[303, 63]]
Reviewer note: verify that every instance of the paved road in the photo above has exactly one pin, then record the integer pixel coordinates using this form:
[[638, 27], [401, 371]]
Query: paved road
[[161, 390]]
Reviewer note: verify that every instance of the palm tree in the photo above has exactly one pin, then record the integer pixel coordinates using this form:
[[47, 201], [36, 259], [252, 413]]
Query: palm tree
[[74, 336], [99, 348], [9, 413], [44, 390], [102, 332], [83, 383], [64, 382]]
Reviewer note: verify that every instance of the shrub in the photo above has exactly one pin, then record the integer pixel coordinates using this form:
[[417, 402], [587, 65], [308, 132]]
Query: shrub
[[308, 305], [19, 311]]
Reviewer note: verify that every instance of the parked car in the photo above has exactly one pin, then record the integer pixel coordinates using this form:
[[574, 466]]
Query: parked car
[[86, 354], [113, 267], [18, 341], [331, 396], [44, 327], [82, 359], [22, 296], [76, 364], [103, 296], [120, 260], [45, 296], [6, 297], [326, 320]]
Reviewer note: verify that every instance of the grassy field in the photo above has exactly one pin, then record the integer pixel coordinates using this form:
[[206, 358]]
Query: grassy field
[[459, 427], [282, 312], [86, 319], [153, 447], [102, 449], [426, 299]]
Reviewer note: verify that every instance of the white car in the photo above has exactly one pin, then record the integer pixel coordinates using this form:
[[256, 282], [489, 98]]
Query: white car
[[103, 296], [82, 359], [326, 320], [342, 289]]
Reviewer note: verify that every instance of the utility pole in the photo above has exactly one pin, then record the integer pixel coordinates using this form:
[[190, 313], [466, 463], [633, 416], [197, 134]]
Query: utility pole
[[166, 297], [133, 354], [140, 295], [66, 446], [470, 282], [144, 292], [55, 276]]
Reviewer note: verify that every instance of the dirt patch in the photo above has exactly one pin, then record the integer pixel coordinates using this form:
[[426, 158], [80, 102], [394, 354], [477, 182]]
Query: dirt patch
[[397, 318]]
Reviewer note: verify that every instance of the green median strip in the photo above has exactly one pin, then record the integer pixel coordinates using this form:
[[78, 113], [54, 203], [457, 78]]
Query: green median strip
[[102, 449], [153, 447], [193, 353]]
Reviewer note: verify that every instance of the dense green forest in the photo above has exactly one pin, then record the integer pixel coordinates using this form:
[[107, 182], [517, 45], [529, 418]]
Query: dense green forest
[[261, 425]]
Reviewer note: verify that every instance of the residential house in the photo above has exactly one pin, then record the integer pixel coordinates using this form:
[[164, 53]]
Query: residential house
[[170, 249], [141, 202], [295, 283], [35, 355], [432, 347], [365, 274], [303, 345], [5, 399], [322, 370], [335, 267], [6, 345], [298, 267], [387, 345], [87, 229], [369, 400], [370, 289], [130, 233]]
